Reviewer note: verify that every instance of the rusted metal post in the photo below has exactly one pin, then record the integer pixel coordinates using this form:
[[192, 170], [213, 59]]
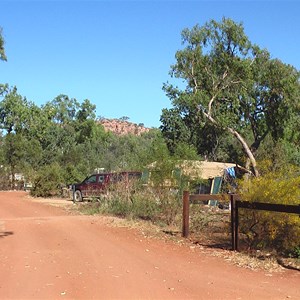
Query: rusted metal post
[[185, 214]]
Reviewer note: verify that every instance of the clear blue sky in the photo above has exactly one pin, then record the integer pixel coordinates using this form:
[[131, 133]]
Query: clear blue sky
[[118, 54]]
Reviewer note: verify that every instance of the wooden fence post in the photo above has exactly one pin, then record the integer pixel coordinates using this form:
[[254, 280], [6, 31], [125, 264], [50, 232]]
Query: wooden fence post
[[73, 193], [236, 229], [232, 221], [185, 214]]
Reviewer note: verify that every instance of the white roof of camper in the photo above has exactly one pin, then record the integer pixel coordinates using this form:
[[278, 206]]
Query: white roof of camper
[[204, 169], [201, 169]]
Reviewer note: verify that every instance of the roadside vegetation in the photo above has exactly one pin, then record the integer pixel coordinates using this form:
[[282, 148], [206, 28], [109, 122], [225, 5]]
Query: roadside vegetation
[[271, 230], [238, 105]]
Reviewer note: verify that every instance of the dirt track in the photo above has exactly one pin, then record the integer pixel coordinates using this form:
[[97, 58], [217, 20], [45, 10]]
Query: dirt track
[[46, 253]]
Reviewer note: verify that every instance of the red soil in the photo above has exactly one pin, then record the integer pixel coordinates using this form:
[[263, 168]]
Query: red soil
[[47, 253]]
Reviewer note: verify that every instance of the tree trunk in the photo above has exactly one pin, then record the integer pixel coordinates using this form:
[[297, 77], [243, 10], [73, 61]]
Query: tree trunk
[[247, 150], [241, 140]]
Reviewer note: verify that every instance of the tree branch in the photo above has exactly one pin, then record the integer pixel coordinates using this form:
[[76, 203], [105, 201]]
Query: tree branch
[[210, 105], [240, 139]]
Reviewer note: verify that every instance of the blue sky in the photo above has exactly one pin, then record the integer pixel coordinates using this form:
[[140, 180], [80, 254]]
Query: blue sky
[[118, 54]]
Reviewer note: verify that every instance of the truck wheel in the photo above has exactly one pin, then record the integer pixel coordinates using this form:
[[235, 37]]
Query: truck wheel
[[77, 196]]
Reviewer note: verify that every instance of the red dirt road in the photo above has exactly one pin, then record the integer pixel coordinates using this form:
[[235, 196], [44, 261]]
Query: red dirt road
[[46, 253]]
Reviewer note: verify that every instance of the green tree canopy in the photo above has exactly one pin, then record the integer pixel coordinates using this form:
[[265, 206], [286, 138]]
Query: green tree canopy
[[61, 142], [14, 111], [233, 85], [2, 51]]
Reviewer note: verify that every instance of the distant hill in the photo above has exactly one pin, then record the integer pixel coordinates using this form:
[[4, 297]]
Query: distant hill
[[122, 127]]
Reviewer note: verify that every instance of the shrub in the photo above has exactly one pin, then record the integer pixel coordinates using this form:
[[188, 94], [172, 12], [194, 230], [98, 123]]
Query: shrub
[[199, 220], [262, 229], [145, 205], [170, 205], [296, 252], [119, 207], [138, 202], [47, 181]]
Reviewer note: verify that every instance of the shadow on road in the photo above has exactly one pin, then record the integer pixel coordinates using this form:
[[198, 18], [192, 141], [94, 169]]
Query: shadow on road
[[215, 245], [5, 233], [221, 243]]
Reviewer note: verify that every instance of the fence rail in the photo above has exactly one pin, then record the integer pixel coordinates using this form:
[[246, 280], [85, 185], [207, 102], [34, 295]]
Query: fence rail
[[235, 204], [293, 209]]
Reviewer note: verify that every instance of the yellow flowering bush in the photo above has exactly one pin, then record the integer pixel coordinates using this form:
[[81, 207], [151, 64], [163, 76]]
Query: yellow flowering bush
[[271, 230]]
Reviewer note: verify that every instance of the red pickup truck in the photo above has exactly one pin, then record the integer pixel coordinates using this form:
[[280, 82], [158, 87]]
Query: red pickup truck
[[97, 184]]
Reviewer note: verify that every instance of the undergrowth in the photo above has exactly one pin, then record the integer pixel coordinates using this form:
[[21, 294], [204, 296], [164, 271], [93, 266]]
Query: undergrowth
[[159, 206], [272, 230]]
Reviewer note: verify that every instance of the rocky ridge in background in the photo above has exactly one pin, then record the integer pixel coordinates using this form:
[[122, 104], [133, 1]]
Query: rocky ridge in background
[[123, 127]]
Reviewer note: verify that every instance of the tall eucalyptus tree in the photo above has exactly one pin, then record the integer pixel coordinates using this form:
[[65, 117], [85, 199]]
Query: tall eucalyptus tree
[[233, 85]]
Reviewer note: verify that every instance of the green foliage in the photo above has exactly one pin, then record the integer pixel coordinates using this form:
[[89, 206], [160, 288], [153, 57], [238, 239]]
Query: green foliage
[[232, 87], [2, 50], [283, 152], [174, 129], [279, 186], [62, 109], [273, 230], [14, 111], [162, 163], [296, 252], [48, 181], [14, 152], [72, 173], [86, 111], [119, 207], [170, 206], [145, 206], [256, 95], [136, 201], [186, 151]]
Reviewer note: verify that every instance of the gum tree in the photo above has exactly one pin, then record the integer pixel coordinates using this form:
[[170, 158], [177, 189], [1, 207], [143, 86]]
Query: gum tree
[[2, 51], [233, 85], [3, 58]]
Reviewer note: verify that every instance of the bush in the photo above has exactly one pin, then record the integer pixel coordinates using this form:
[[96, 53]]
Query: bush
[[139, 202], [47, 181], [170, 206], [145, 205], [119, 207], [272, 230], [296, 252]]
